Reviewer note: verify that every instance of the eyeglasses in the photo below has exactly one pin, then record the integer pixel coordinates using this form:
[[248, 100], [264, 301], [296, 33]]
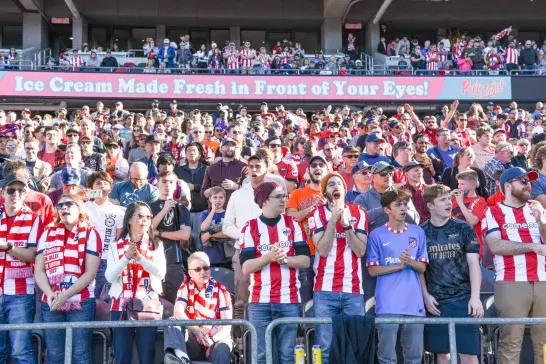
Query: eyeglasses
[[236, 132], [51, 134], [351, 156], [71, 135], [327, 149], [145, 217], [365, 172], [198, 132], [206, 268], [284, 196], [67, 204], [112, 146], [317, 165], [386, 173], [274, 146], [138, 179], [87, 143], [208, 131], [115, 129], [11, 190], [524, 181]]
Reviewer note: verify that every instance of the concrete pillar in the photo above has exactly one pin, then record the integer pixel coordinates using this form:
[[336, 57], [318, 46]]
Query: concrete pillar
[[372, 38], [1, 35], [35, 31], [331, 35], [160, 34], [234, 36], [80, 30]]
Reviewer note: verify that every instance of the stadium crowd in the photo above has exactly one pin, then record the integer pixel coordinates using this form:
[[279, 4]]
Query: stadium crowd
[[136, 209]]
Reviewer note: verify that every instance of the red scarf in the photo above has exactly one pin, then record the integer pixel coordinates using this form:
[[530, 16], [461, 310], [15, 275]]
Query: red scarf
[[133, 272], [66, 261], [18, 233]]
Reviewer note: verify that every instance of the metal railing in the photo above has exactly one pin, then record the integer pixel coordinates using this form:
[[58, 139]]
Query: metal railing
[[456, 72], [42, 57], [524, 72], [17, 65], [70, 326], [451, 322]]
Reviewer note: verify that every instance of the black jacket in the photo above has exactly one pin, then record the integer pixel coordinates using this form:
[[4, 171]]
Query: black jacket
[[109, 62], [195, 177], [353, 340], [382, 48], [528, 57]]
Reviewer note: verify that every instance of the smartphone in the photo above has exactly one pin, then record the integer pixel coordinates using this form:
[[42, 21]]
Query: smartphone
[[93, 194]]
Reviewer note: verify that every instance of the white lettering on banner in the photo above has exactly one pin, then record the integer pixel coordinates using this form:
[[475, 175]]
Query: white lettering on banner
[[60, 85], [390, 88], [181, 86], [262, 87], [131, 86], [515, 225], [355, 90], [23, 85]]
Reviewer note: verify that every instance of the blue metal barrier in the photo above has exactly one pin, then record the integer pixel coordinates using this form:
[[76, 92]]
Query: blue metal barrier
[[451, 322], [70, 326]]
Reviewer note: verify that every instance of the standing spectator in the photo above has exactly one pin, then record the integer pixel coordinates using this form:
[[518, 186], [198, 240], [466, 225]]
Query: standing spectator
[[382, 46], [502, 160], [511, 57], [413, 171], [153, 148], [372, 154], [183, 57], [432, 58], [465, 64], [286, 169], [136, 188], [397, 265], [51, 153], [484, 150], [95, 162], [20, 228], [107, 218], [452, 247], [109, 61], [362, 180], [240, 209], [213, 238], [116, 166], [202, 298], [514, 231], [521, 159], [247, 55], [528, 57], [136, 269], [443, 152], [167, 54], [172, 223], [270, 298], [339, 232], [227, 172], [37, 168], [67, 260]]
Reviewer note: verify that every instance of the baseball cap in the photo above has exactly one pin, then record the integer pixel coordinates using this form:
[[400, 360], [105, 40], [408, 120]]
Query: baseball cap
[[381, 166], [502, 116], [85, 138], [516, 173], [393, 122], [373, 138], [70, 176], [166, 41], [360, 166], [313, 158], [411, 165], [350, 149], [152, 139], [228, 140], [11, 178], [499, 131], [112, 142]]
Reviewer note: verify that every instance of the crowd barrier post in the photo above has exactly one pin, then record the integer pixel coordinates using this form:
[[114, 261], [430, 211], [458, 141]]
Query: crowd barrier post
[[451, 322], [70, 326]]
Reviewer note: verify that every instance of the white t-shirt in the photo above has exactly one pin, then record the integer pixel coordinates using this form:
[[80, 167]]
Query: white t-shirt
[[106, 218]]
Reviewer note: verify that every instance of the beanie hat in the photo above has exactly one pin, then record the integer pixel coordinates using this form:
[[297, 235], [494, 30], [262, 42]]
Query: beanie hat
[[262, 192], [325, 180]]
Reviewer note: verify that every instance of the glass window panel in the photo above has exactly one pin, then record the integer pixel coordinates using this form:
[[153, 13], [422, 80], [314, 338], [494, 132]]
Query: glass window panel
[[310, 41], [12, 36], [121, 38], [256, 38], [175, 34], [139, 36], [98, 38], [219, 36]]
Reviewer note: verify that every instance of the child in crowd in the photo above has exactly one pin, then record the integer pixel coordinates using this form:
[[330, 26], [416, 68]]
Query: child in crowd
[[212, 237]]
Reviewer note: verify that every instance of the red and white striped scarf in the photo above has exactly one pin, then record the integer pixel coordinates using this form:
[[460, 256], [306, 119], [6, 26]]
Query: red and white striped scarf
[[204, 309], [64, 261], [19, 232], [133, 272]]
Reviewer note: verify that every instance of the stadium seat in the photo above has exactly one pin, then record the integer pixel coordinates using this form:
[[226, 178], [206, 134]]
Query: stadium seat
[[224, 276]]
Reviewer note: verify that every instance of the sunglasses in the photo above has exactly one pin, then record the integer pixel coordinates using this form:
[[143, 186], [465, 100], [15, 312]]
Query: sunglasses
[[147, 217], [318, 165], [365, 172], [218, 130], [351, 156], [386, 173], [524, 181], [11, 190], [197, 132], [67, 204], [275, 146], [71, 135], [209, 132], [205, 268], [115, 129]]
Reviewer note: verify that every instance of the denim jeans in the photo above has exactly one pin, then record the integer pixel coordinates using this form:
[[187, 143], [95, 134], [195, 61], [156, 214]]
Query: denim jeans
[[261, 314], [307, 281], [329, 304], [123, 342], [81, 338], [17, 309], [411, 339], [100, 279]]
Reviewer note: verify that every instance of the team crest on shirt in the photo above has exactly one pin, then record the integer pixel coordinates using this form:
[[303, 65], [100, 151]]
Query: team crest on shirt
[[352, 220], [286, 231], [412, 242]]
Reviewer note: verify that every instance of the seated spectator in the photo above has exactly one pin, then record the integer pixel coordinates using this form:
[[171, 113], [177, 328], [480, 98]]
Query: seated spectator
[[172, 223], [136, 188], [116, 166], [463, 162], [67, 283], [213, 238], [93, 61], [521, 159], [397, 265], [202, 298], [109, 61], [107, 218], [73, 160]]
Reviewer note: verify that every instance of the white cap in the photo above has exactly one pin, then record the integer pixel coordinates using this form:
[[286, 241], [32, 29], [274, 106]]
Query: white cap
[[166, 41], [213, 45]]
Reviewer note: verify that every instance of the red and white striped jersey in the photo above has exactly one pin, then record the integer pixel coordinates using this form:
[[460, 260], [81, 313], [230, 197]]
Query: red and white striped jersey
[[233, 60], [515, 224], [17, 286], [393, 139], [458, 49], [246, 53], [442, 55], [275, 283], [77, 61], [432, 60], [285, 57], [511, 55], [288, 170], [341, 270], [264, 61]]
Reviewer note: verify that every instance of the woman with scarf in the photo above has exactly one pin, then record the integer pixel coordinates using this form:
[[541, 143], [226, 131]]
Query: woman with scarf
[[67, 260], [136, 267]]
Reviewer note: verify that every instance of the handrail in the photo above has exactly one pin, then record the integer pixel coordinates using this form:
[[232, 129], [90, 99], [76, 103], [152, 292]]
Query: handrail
[[450, 321], [70, 326], [456, 72]]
